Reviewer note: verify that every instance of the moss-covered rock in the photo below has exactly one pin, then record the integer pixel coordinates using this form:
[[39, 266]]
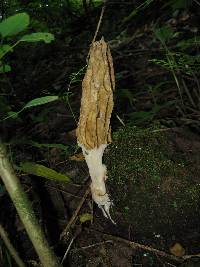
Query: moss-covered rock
[[151, 186]]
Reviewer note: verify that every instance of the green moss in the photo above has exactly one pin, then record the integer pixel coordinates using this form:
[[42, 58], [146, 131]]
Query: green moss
[[152, 190]]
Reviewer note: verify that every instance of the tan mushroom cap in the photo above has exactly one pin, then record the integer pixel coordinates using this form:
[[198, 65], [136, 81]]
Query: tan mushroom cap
[[97, 98]]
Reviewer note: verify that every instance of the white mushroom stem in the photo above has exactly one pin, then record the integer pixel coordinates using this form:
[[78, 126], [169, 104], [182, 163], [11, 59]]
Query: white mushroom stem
[[98, 174], [94, 130]]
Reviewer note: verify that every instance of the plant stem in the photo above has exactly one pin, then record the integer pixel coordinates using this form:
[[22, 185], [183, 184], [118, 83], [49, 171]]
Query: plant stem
[[25, 211], [9, 246]]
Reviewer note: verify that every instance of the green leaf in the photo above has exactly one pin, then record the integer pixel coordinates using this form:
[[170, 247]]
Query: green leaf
[[38, 36], [4, 49], [42, 171], [33, 103], [14, 24], [40, 101], [4, 68], [164, 34], [85, 217], [13, 114], [181, 4], [184, 44]]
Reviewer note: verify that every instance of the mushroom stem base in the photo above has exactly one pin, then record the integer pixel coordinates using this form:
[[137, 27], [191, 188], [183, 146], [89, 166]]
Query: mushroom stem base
[[98, 174]]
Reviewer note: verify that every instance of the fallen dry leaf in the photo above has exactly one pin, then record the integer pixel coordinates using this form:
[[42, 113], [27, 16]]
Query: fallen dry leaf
[[177, 250], [77, 157]]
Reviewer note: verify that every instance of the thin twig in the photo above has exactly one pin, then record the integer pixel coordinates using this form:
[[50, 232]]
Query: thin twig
[[196, 2], [74, 217], [63, 191], [165, 129], [99, 23], [120, 120], [98, 26], [186, 257], [135, 245], [93, 245], [188, 93], [197, 82], [10, 247], [68, 248]]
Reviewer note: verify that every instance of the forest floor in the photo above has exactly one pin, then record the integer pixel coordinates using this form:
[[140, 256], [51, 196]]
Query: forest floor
[[154, 184], [153, 168]]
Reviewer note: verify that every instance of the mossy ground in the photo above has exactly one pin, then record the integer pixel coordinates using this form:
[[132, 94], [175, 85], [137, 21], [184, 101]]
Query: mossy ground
[[151, 185]]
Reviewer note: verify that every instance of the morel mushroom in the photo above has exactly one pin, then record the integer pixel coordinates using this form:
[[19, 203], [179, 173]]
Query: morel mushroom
[[94, 131]]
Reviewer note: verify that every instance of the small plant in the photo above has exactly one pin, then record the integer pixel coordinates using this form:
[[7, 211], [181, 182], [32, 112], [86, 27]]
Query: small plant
[[12, 27], [178, 61], [33, 103], [179, 4], [181, 64]]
